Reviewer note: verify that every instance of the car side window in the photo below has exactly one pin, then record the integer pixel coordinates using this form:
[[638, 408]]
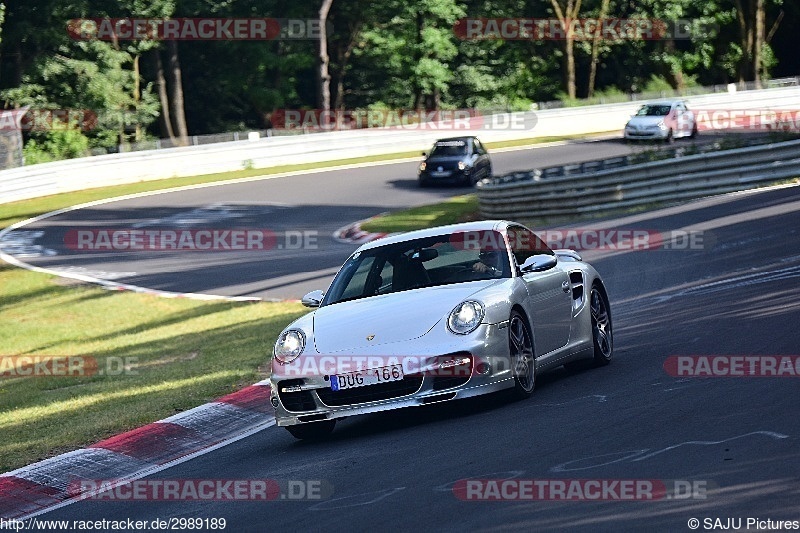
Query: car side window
[[525, 243]]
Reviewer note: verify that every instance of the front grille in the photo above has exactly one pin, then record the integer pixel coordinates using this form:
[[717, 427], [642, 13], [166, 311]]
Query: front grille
[[296, 401], [446, 165], [449, 382], [371, 393]]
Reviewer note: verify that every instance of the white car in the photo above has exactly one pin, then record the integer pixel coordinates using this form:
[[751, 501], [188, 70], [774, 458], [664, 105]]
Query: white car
[[663, 121]]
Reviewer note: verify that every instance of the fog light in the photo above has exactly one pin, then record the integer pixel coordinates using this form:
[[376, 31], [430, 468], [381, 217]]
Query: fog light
[[274, 402], [454, 362], [483, 368]]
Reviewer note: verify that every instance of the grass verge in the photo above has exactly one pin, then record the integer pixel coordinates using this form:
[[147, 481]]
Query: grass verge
[[179, 354], [451, 211]]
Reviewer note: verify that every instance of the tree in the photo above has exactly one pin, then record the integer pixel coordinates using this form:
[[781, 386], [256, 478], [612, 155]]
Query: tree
[[411, 46], [566, 15], [324, 76], [595, 53]]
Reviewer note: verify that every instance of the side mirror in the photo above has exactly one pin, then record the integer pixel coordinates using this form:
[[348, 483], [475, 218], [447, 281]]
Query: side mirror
[[424, 154], [539, 263], [313, 298]]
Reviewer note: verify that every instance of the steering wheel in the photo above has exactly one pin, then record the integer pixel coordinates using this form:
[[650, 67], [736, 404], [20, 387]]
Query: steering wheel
[[459, 275]]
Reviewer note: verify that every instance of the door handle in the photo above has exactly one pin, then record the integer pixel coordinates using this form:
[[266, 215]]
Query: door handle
[[565, 286]]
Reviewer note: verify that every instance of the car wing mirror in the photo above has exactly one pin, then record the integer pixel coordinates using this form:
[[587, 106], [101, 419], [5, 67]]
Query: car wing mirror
[[313, 298], [539, 263]]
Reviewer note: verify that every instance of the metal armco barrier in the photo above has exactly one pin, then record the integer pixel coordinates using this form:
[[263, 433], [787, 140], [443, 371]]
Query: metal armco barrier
[[114, 169], [667, 180]]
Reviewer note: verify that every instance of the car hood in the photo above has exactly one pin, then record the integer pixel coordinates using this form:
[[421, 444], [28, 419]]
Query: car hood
[[645, 121], [394, 317], [447, 159]]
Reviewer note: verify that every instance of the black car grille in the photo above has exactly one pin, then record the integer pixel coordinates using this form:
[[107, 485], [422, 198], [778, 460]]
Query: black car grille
[[371, 393], [446, 165], [296, 401]]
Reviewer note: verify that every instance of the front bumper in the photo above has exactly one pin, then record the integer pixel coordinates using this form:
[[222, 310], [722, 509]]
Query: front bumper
[[308, 398], [657, 134], [445, 176]]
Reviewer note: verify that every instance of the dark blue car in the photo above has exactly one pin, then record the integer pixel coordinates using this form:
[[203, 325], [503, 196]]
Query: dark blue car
[[458, 160]]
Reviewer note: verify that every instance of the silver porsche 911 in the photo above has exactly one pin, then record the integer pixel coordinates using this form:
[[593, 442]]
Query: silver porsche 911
[[436, 315]]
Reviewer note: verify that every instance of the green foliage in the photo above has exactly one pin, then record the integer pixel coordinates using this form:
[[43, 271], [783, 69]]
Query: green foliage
[[62, 143], [608, 95], [89, 75], [393, 53], [2, 19], [657, 84]]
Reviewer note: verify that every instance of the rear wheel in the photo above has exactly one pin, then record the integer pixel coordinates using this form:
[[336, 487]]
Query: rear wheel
[[670, 138], [520, 344], [602, 335], [312, 430]]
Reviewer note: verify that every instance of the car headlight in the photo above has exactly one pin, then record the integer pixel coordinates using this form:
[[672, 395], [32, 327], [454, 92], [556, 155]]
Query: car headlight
[[462, 165], [662, 126], [422, 166], [466, 317], [289, 345]]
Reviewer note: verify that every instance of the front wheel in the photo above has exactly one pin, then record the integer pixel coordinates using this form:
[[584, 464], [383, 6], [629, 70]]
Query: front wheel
[[520, 343], [312, 430], [602, 335]]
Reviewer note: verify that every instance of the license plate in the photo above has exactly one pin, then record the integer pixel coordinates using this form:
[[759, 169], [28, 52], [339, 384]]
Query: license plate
[[442, 174], [364, 378]]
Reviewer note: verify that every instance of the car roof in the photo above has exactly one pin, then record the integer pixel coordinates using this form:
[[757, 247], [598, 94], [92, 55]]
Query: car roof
[[665, 102], [482, 225], [464, 138]]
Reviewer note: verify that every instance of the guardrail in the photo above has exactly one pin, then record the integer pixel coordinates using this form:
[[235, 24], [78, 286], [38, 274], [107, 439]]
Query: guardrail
[[194, 140], [113, 169], [666, 180], [585, 167]]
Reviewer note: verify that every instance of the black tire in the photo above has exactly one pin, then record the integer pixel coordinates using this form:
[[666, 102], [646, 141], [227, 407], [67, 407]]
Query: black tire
[[423, 183], [312, 430], [523, 361], [602, 331], [670, 137], [693, 135]]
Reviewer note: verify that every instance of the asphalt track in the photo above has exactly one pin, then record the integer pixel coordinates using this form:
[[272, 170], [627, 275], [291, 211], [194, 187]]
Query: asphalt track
[[314, 205], [736, 294]]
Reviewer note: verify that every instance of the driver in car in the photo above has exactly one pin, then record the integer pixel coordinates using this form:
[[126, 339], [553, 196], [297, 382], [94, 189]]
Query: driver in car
[[489, 262]]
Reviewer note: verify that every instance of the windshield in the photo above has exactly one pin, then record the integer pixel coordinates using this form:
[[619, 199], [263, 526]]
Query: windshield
[[428, 262], [653, 110], [449, 149]]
